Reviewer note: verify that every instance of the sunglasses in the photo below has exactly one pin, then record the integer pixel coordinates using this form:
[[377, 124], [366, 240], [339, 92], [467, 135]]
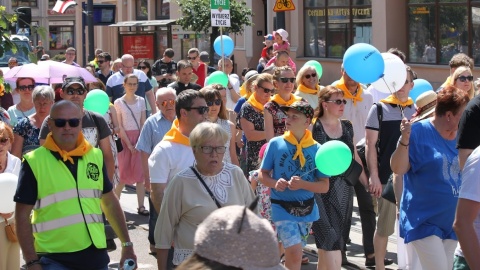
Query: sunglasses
[[285, 80], [5, 140], [266, 90], [217, 102], [338, 101], [201, 110], [101, 61], [165, 102], [209, 149], [313, 75], [142, 67], [74, 122], [465, 78], [75, 91], [192, 58], [25, 87]]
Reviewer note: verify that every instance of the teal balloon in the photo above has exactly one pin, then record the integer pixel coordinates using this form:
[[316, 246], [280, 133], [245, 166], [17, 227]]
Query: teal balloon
[[97, 101], [333, 158], [217, 77], [317, 66]]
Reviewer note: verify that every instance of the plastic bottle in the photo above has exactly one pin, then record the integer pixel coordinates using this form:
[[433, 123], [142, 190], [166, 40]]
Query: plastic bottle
[[129, 264]]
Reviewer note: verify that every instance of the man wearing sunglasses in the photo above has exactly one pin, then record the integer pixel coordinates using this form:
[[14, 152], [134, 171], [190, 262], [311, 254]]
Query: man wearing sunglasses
[[104, 72], [94, 62], [68, 230], [174, 152], [164, 69], [152, 133], [200, 69], [184, 78]]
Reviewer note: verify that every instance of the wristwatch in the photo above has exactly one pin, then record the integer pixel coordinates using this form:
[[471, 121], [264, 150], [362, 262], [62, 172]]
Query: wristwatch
[[127, 244]]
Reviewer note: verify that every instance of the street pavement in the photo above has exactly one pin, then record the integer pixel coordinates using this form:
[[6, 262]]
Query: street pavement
[[138, 230]]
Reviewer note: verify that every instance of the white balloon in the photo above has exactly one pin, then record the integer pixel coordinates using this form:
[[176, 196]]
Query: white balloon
[[8, 186], [394, 75]]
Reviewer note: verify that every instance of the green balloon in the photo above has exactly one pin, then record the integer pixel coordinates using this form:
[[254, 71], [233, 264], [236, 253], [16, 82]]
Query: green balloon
[[217, 77], [97, 101], [317, 66], [333, 158]]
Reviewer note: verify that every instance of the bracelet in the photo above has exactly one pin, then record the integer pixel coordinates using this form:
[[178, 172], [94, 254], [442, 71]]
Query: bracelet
[[32, 262], [127, 244], [406, 145]]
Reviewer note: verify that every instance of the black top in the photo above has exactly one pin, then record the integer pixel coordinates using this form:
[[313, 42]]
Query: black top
[[104, 78], [160, 68], [179, 87], [469, 126]]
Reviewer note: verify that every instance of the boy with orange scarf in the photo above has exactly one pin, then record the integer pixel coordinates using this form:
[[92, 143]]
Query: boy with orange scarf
[[288, 168]]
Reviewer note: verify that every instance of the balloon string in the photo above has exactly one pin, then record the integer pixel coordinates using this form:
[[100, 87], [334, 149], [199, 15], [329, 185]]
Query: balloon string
[[308, 172], [399, 106]]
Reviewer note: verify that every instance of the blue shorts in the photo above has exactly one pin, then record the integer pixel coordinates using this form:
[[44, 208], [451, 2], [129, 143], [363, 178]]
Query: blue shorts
[[293, 232]]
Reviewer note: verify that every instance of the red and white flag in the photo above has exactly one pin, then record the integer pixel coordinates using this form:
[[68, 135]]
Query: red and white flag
[[61, 6]]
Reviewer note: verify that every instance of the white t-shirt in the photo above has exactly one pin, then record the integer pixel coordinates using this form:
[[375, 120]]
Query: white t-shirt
[[235, 82], [168, 159], [357, 114], [470, 188], [376, 95]]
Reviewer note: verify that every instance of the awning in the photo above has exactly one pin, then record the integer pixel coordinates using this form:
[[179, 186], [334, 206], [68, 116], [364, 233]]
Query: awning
[[143, 23]]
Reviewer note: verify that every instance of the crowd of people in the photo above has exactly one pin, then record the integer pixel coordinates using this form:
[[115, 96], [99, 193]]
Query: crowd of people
[[196, 149]]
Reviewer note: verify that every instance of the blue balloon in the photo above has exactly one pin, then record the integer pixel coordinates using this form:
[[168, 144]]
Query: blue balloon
[[420, 86], [228, 45], [363, 63]]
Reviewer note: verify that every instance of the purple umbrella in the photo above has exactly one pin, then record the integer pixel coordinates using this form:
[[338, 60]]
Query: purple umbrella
[[57, 71], [40, 75]]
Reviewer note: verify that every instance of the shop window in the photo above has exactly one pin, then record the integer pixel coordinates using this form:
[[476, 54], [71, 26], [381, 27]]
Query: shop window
[[439, 29], [18, 3], [163, 9], [142, 9], [61, 37], [331, 26]]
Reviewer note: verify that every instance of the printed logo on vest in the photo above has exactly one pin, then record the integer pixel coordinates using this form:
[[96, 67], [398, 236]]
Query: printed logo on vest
[[92, 171]]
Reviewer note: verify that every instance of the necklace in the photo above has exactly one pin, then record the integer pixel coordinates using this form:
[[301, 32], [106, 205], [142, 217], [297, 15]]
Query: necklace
[[333, 131]]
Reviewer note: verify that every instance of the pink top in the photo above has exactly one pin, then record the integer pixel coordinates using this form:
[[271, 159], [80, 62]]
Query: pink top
[[290, 63], [128, 122], [285, 46]]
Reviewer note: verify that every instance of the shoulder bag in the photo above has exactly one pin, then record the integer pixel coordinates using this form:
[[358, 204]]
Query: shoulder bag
[[10, 232]]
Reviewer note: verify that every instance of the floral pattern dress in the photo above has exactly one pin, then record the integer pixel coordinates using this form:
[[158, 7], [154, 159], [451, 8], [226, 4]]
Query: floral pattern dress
[[29, 133], [263, 192], [278, 118], [253, 147]]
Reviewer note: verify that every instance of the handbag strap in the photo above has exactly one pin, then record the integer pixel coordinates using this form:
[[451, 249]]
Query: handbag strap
[[134, 118], [206, 187], [380, 119]]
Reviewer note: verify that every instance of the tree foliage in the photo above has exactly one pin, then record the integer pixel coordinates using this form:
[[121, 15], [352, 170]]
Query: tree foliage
[[6, 22], [196, 16]]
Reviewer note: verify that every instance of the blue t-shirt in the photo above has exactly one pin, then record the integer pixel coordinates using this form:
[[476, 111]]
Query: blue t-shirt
[[278, 159], [431, 186]]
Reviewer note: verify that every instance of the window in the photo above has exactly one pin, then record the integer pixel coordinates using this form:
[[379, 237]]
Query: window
[[163, 9], [331, 26], [61, 37], [18, 3], [438, 29], [142, 9]]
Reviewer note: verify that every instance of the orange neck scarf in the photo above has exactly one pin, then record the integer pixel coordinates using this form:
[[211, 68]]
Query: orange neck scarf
[[302, 88], [347, 94], [174, 135], [82, 148], [305, 142], [254, 102], [392, 99], [279, 100]]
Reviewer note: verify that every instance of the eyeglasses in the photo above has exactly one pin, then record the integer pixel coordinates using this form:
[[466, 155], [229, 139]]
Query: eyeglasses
[[338, 101], [285, 80], [217, 102], [165, 102], [101, 61], [142, 67], [5, 140], [201, 110], [209, 149], [192, 58], [313, 75], [266, 90], [59, 122], [75, 91], [465, 78], [25, 87]]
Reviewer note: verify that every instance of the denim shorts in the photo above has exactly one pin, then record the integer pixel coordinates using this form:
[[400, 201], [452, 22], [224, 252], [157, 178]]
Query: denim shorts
[[293, 232], [49, 264]]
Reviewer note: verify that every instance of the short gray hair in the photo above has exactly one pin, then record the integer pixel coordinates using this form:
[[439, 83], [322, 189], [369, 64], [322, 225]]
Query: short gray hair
[[165, 90], [207, 131], [43, 91]]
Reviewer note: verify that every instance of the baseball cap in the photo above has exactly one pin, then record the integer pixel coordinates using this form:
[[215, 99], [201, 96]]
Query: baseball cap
[[229, 234], [268, 37], [204, 57], [301, 106], [282, 33], [68, 81], [251, 75]]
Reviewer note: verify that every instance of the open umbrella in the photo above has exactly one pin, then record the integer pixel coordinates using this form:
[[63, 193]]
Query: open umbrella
[[57, 71], [40, 75]]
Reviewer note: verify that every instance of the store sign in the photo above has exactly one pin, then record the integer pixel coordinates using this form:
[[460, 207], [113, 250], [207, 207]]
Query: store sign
[[343, 12], [220, 11], [140, 46]]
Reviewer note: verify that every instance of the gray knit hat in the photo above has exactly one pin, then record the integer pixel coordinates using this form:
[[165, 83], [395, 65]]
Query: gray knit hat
[[235, 236]]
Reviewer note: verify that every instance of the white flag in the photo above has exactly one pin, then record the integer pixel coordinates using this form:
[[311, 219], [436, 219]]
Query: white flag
[[61, 6]]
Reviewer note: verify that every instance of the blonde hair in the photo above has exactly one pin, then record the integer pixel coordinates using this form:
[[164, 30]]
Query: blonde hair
[[324, 95], [262, 78], [456, 74], [207, 131]]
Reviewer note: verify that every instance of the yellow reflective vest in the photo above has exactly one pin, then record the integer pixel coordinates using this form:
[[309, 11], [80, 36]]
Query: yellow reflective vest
[[67, 216]]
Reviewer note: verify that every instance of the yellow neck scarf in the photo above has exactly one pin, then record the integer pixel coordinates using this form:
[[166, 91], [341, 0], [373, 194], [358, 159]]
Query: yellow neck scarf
[[302, 88], [174, 135], [347, 94], [243, 91], [82, 147], [447, 82], [392, 99], [305, 142], [279, 100], [254, 102]]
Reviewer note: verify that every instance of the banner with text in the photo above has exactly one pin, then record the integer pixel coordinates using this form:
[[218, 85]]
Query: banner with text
[[220, 10]]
